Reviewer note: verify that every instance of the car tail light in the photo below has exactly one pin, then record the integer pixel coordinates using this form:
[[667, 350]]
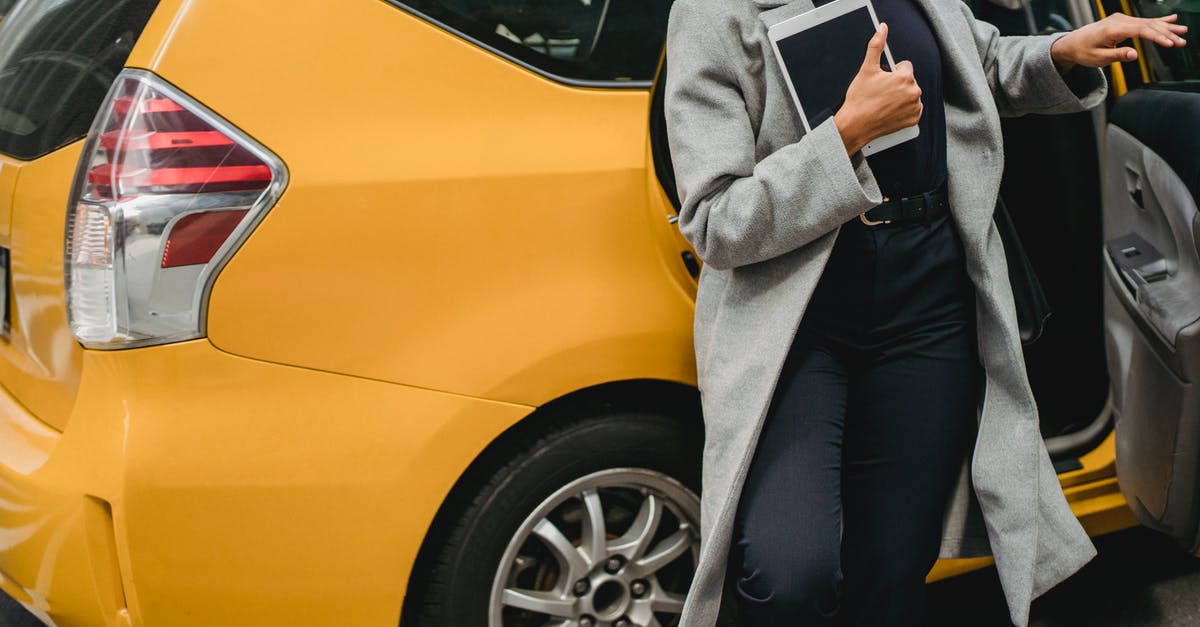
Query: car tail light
[[164, 194]]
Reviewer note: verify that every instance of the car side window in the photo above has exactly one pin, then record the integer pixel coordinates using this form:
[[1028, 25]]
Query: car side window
[[57, 61], [1040, 17], [1024, 17], [585, 41], [1173, 64]]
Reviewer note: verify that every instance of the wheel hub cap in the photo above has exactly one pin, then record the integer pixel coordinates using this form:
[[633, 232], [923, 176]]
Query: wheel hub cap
[[615, 548]]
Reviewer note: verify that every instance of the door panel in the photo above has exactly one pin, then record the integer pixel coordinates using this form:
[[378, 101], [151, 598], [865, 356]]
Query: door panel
[[1152, 304]]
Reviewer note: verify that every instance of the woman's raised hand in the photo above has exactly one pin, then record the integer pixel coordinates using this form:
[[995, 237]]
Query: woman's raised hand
[[1093, 45], [878, 102]]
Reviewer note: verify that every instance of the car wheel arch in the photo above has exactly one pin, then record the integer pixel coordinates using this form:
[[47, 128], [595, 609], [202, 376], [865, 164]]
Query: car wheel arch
[[673, 400]]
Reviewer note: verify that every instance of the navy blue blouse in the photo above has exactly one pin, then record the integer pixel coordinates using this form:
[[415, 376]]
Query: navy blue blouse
[[917, 165]]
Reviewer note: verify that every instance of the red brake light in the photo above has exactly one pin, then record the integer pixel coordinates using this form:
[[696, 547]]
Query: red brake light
[[122, 105], [196, 237], [176, 180], [164, 190], [151, 144]]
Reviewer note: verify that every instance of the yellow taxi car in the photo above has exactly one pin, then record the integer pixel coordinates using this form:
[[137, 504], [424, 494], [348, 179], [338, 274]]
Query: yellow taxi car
[[374, 312]]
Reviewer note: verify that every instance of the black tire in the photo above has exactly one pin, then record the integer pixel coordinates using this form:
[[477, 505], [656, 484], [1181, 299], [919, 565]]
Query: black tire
[[456, 590]]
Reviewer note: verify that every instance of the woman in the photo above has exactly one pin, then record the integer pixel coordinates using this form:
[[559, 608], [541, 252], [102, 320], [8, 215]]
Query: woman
[[863, 386]]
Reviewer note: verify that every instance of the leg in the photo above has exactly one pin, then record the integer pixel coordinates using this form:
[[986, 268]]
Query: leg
[[909, 420], [787, 528]]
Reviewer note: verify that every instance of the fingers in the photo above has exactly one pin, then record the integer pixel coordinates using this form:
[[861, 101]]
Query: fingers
[[1169, 29], [1161, 30], [1160, 35], [1153, 34], [909, 89], [875, 47], [917, 115], [1169, 21]]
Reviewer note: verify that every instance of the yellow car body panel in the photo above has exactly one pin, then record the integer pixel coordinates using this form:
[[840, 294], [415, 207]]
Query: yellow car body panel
[[441, 264], [40, 363], [496, 247], [242, 492]]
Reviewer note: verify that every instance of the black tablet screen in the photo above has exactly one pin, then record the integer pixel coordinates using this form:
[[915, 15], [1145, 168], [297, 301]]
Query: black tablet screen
[[823, 59]]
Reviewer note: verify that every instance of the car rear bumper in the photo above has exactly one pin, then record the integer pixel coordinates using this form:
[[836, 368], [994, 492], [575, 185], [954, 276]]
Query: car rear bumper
[[193, 487], [48, 519]]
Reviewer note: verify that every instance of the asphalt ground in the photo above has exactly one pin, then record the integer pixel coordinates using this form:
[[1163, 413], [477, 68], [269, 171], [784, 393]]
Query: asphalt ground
[[1139, 579]]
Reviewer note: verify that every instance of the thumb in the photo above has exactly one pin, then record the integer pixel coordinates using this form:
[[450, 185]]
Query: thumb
[[875, 47], [1117, 55]]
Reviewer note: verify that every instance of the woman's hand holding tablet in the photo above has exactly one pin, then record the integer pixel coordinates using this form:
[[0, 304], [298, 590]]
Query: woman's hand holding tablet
[[878, 103], [820, 51]]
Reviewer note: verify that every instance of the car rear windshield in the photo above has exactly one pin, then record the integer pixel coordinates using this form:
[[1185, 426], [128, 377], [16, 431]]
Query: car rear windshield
[[57, 60]]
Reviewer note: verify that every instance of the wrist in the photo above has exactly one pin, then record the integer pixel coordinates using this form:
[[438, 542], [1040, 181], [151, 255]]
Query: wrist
[[848, 128], [1062, 53]]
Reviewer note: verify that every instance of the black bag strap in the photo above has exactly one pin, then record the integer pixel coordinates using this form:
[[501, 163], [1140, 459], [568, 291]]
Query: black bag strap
[[1032, 307]]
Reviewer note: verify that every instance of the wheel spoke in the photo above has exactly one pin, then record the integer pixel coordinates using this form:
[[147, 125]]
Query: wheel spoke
[[634, 542], [663, 601], [666, 551], [540, 601], [658, 521], [569, 557], [594, 532]]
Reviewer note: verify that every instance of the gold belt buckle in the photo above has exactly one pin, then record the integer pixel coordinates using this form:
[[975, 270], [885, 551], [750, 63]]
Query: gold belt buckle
[[863, 216]]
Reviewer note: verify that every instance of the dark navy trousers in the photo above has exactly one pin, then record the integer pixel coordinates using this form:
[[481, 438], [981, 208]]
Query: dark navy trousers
[[840, 517]]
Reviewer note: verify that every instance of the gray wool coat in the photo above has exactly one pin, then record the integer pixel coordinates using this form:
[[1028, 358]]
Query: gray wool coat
[[762, 203]]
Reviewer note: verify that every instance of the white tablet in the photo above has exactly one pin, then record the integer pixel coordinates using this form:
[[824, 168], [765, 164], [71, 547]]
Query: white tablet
[[820, 52]]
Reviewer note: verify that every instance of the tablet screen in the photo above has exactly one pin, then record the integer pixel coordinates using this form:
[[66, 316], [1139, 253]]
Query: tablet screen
[[823, 59]]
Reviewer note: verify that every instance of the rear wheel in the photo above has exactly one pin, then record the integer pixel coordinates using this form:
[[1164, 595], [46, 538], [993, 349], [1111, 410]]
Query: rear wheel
[[595, 523]]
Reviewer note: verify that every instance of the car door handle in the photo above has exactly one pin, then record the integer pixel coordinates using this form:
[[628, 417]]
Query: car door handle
[[1133, 184], [691, 263], [1136, 195]]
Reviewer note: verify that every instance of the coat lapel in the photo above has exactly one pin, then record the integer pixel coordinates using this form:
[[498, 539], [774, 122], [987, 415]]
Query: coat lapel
[[972, 122]]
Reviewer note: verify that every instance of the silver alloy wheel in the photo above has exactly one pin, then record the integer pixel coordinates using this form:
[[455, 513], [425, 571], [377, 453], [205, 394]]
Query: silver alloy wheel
[[606, 550]]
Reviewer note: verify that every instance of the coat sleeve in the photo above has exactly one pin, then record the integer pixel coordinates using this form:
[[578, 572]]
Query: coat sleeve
[[1023, 77], [736, 211]]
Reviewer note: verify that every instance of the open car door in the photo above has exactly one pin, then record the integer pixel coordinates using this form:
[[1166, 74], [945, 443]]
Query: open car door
[[1151, 188]]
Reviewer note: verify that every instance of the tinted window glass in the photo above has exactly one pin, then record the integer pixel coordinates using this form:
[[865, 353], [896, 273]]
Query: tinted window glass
[[588, 40], [1173, 64], [1039, 17], [57, 61], [1014, 17]]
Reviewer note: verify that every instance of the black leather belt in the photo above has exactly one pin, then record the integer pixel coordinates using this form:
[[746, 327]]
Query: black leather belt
[[919, 208]]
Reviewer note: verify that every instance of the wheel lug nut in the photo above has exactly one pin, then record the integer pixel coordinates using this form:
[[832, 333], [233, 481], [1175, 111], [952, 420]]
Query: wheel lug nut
[[581, 587], [638, 588], [587, 621], [613, 564], [622, 622]]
